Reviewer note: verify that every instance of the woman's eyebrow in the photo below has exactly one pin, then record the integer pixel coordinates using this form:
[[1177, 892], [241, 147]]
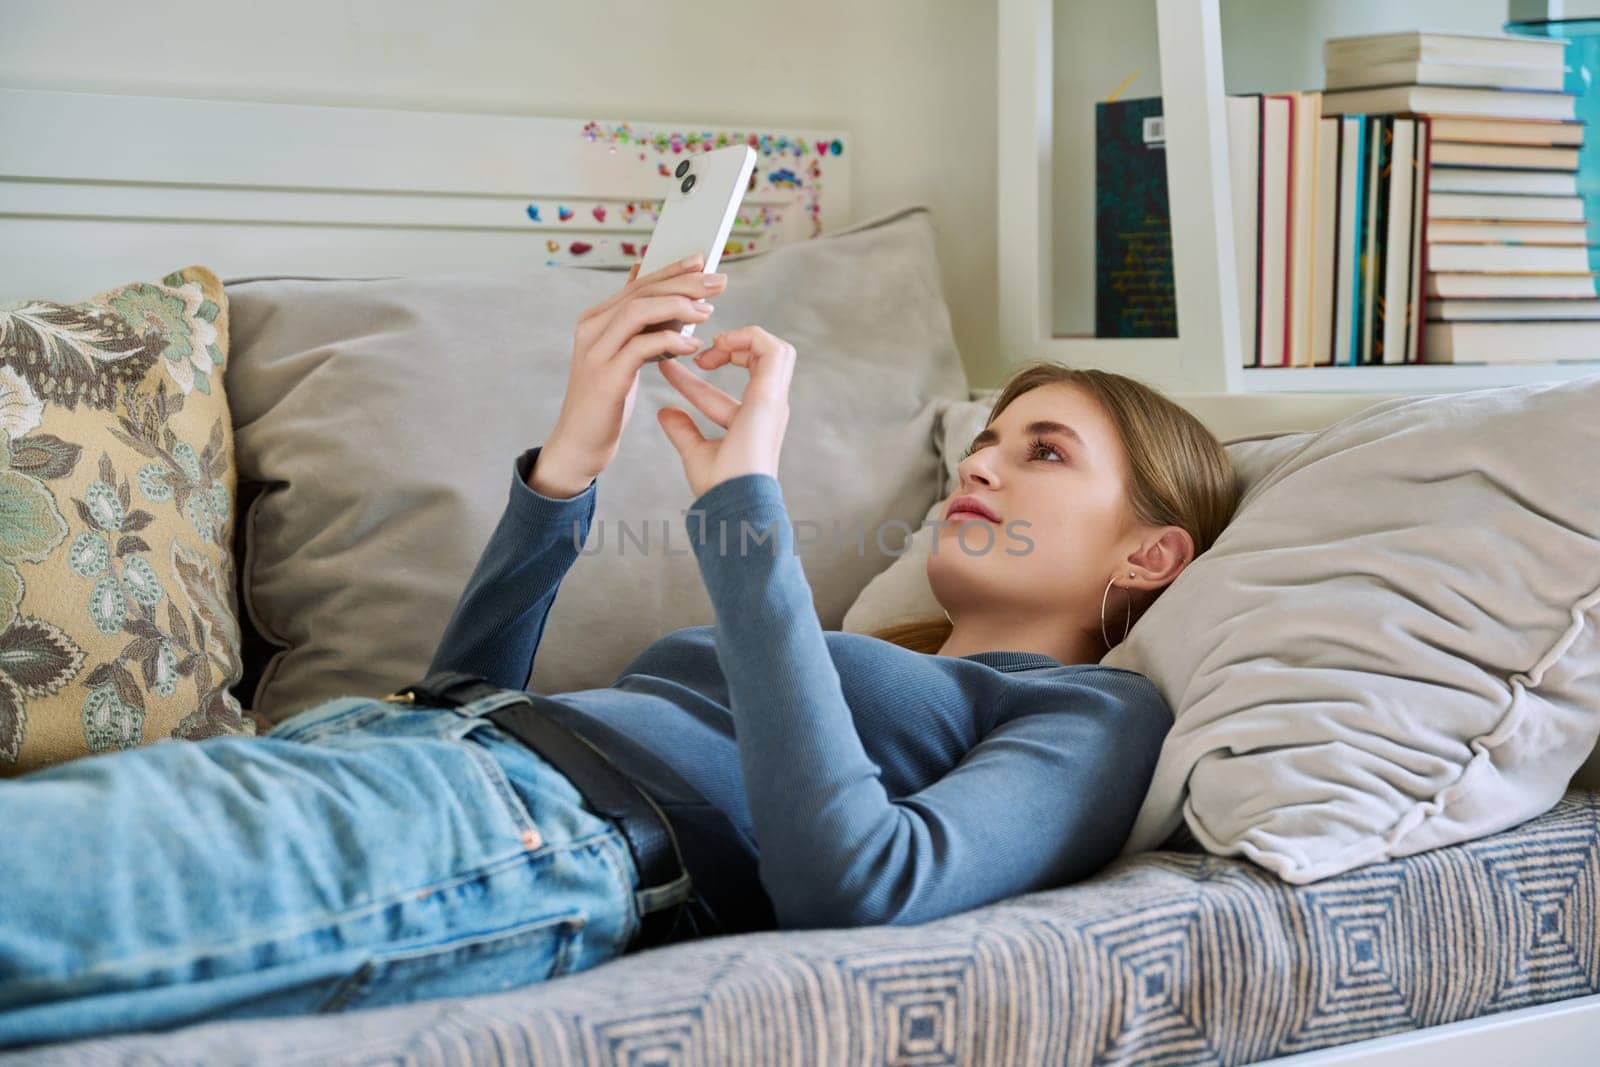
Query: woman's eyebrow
[[1042, 426]]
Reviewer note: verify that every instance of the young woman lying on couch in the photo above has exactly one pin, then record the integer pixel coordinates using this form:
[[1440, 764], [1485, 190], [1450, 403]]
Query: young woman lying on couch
[[367, 852]]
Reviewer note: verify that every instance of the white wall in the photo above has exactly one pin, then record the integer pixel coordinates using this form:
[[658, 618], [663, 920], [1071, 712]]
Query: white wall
[[1267, 45], [913, 80]]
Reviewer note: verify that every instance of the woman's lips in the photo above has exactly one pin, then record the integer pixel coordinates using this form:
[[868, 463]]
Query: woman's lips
[[966, 507]]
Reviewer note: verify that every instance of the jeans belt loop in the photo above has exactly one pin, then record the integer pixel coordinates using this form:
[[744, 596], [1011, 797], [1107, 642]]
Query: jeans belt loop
[[605, 787]]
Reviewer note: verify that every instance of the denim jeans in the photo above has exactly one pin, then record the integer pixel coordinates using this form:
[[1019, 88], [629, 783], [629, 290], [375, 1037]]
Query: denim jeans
[[359, 854]]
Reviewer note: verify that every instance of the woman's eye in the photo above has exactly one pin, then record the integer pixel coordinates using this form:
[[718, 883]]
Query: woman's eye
[[1034, 448]]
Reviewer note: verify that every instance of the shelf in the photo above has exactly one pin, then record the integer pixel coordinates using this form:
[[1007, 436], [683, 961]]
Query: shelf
[[1408, 377], [1206, 356]]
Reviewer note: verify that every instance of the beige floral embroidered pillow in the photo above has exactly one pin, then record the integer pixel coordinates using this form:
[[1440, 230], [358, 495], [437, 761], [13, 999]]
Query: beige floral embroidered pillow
[[118, 623]]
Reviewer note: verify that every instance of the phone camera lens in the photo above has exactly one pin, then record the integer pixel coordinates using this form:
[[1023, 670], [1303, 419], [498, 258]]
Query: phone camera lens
[[683, 168], [688, 183]]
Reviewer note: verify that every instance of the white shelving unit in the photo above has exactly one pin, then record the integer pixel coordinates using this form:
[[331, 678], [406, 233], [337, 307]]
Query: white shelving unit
[[1205, 357]]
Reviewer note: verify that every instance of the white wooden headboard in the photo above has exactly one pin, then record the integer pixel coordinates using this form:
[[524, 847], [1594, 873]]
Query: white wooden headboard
[[97, 190]]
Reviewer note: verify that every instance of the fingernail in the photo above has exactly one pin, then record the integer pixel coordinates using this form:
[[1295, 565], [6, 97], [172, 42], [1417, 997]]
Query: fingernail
[[701, 305], [716, 279]]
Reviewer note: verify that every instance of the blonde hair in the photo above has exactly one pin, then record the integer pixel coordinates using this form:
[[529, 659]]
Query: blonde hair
[[1179, 473]]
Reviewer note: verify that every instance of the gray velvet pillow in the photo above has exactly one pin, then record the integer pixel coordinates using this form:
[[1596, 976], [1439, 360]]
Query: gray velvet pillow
[[380, 419], [1392, 647]]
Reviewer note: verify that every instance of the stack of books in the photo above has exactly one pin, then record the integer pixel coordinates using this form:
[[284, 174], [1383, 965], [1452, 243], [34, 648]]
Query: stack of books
[[1497, 268], [1422, 208]]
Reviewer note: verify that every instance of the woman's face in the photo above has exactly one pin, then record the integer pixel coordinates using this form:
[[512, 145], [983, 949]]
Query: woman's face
[[1060, 495]]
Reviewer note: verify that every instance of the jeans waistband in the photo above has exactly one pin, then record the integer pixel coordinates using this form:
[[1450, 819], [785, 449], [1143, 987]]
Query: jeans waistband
[[664, 890]]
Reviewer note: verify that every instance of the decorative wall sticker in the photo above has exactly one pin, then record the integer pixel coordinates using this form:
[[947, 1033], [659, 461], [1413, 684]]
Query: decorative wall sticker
[[766, 144], [790, 165], [761, 215], [614, 214]]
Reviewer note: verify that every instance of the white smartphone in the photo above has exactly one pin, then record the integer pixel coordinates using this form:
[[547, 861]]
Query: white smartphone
[[698, 215]]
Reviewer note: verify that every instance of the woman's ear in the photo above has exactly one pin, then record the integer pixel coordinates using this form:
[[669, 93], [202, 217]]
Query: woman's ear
[[1164, 558]]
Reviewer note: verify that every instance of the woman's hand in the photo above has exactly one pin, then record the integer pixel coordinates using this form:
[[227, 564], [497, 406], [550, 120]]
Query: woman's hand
[[609, 347], [755, 423]]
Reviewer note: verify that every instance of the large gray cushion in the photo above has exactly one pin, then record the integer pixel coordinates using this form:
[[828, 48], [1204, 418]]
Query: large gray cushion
[[382, 416], [1393, 645]]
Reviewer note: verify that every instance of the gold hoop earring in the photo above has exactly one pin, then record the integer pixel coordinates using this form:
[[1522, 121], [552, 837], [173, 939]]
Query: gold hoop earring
[[1127, 622]]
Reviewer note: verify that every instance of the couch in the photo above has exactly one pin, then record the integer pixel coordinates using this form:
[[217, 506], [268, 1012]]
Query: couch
[[370, 464]]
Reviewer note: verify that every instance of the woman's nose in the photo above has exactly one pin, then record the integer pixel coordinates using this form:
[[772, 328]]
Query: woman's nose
[[972, 470], [975, 477]]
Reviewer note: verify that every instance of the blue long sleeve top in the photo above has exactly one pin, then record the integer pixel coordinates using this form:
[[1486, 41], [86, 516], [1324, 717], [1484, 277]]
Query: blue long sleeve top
[[820, 778]]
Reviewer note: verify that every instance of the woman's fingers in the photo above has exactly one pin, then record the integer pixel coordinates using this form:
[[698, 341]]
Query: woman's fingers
[[769, 358], [694, 262], [680, 428], [741, 346], [689, 286], [652, 344], [692, 284], [718, 406], [632, 317], [680, 269]]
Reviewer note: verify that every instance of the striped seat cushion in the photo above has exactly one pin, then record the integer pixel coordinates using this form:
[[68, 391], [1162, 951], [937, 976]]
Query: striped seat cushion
[[1173, 957]]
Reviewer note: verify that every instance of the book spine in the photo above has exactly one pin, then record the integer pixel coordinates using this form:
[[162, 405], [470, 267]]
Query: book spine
[[1261, 206], [1369, 239], [1380, 256], [1397, 253], [1288, 249], [1357, 299], [1339, 208], [1424, 172]]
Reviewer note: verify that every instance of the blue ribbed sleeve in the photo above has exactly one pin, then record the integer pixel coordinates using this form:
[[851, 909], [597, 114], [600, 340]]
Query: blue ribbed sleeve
[[1046, 798], [499, 619]]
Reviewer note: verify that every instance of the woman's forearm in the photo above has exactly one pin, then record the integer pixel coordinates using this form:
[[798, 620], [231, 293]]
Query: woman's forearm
[[498, 622], [831, 842], [553, 477]]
